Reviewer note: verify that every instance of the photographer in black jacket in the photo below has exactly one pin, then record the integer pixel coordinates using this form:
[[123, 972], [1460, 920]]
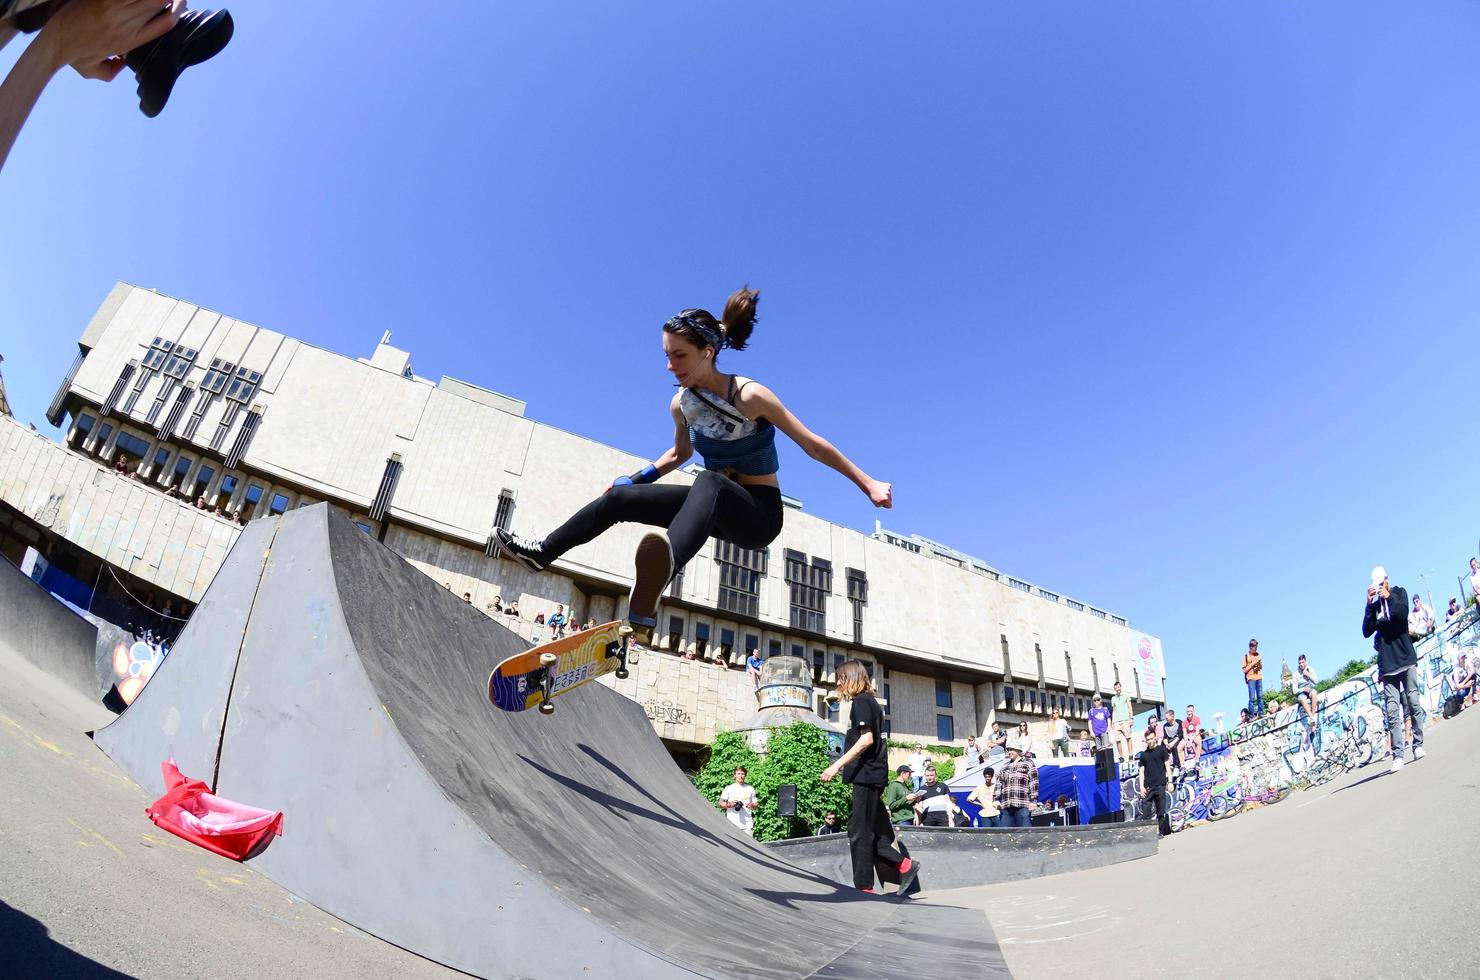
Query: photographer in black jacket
[[1386, 616]]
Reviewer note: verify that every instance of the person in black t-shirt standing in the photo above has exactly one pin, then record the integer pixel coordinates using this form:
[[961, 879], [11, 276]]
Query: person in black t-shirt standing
[[1154, 765], [865, 764]]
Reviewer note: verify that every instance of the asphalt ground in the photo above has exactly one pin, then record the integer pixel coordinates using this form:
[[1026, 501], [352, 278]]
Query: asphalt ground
[[1372, 875], [90, 888]]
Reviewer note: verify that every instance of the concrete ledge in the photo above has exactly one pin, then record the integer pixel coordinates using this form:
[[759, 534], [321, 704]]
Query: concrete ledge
[[957, 858]]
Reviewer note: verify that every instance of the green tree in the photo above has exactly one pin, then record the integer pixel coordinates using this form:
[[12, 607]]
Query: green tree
[[728, 751], [797, 755]]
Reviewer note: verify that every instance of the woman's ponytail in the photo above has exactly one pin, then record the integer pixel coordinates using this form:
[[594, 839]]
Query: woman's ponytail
[[739, 318]]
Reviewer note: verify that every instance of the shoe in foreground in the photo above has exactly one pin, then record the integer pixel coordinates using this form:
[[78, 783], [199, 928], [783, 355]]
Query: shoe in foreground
[[653, 568]]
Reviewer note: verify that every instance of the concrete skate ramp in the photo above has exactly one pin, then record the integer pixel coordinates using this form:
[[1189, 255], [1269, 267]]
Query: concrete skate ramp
[[40, 628], [499, 844]]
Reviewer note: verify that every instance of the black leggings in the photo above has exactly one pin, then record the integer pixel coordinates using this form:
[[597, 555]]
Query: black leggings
[[749, 516], [871, 838]]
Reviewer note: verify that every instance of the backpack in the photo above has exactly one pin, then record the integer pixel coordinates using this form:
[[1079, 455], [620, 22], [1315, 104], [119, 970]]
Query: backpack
[[1453, 705]]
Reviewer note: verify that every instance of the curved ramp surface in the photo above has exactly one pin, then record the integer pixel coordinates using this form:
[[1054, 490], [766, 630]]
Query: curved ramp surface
[[39, 627], [500, 844]]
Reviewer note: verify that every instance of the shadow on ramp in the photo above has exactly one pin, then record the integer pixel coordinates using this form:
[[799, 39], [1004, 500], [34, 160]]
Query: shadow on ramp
[[335, 682]]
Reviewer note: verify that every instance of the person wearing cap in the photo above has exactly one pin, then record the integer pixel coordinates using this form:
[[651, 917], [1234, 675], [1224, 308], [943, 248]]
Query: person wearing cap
[[1254, 678], [1420, 620], [1017, 788], [1462, 679], [1385, 619], [1099, 722], [900, 798]]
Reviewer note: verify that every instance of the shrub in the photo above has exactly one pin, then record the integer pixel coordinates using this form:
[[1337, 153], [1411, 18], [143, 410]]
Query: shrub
[[945, 769], [797, 755]]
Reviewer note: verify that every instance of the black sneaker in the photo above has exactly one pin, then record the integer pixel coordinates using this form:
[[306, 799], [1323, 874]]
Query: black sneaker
[[654, 569], [909, 870], [526, 551]]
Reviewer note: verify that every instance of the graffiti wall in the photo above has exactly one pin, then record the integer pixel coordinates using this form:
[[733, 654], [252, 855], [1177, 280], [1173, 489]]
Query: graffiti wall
[[1278, 751]]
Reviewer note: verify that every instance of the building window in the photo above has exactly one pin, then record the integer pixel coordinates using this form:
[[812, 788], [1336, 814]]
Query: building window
[[279, 504], [216, 377], [675, 587], [752, 643], [727, 642], [868, 668], [505, 513], [363, 526], [819, 663], [837, 659], [885, 692], [1006, 659], [701, 638], [773, 649], [833, 710], [182, 467], [1007, 696], [809, 586], [157, 352], [227, 490], [178, 364], [797, 650], [243, 386], [105, 431], [161, 456], [201, 482], [943, 694], [252, 501], [81, 429], [945, 728], [740, 574], [135, 448], [675, 632], [857, 598]]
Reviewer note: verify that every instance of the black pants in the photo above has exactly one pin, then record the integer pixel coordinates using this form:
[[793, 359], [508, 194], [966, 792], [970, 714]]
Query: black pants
[[715, 506], [871, 838], [1161, 801]]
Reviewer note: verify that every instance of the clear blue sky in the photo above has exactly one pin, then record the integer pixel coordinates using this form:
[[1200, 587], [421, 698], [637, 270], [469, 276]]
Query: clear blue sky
[[1168, 307]]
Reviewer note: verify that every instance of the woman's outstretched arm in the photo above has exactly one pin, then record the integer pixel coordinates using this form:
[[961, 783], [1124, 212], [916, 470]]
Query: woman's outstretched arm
[[758, 401]]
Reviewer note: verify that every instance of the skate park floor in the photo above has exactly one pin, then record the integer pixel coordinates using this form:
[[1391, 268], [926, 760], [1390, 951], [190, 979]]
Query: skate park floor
[[1372, 875], [90, 888]]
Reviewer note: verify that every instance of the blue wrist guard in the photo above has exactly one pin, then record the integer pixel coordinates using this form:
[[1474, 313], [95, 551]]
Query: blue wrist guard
[[648, 474]]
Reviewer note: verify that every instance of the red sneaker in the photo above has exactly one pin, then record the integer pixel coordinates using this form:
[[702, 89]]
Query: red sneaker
[[868, 891], [906, 865]]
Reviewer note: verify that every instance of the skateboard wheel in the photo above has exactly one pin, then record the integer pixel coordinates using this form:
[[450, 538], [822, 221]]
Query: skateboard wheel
[[622, 674], [548, 659], [547, 707]]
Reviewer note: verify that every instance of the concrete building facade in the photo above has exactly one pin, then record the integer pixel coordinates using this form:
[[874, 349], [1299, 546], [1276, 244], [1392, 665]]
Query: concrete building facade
[[181, 423]]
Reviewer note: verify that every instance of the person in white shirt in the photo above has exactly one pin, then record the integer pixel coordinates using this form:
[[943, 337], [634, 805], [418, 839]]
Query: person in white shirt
[[1022, 739], [739, 802], [973, 755], [1421, 620], [1059, 731], [918, 761]]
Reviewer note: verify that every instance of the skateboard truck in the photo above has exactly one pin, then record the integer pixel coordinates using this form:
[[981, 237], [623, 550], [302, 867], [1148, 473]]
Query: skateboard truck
[[547, 683], [620, 651]]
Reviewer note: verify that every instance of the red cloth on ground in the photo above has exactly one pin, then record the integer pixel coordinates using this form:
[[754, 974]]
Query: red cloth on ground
[[190, 811]]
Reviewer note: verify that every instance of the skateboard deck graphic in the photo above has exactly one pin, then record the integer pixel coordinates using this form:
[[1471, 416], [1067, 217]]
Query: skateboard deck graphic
[[527, 680]]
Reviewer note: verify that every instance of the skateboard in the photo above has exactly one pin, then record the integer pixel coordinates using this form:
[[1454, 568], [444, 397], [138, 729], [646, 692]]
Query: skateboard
[[537, 676]]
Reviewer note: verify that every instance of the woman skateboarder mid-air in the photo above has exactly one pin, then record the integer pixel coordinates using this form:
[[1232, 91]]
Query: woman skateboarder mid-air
[[732, 422]]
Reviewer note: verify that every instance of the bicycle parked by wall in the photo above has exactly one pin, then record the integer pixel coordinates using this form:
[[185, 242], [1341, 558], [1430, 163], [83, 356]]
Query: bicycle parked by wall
[[1344, 756], [1219, 798]]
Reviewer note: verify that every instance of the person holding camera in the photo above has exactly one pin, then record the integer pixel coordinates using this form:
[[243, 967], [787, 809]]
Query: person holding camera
[[1386, 621], [739, 802], [1254, 679]]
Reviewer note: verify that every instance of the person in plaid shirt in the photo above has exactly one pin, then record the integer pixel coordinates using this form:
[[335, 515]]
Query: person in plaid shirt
[[1017, 788]]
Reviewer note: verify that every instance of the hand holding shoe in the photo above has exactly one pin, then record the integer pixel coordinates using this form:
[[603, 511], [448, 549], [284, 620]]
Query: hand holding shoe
[[93, 35]]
